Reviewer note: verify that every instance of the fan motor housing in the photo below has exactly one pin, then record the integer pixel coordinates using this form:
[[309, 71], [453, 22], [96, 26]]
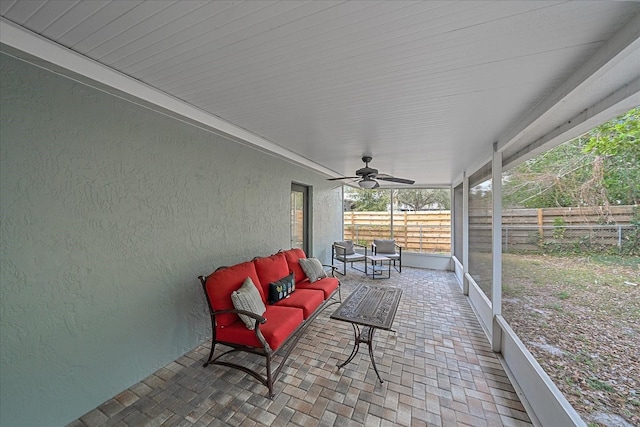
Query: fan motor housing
[[367, 171]]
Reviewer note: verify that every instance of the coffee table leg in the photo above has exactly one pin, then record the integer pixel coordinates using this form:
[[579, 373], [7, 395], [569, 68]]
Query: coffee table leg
[[365, 336], [370, 343], [356, 346]]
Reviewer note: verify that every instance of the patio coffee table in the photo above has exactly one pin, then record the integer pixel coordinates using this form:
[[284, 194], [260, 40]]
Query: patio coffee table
[[372, 307]]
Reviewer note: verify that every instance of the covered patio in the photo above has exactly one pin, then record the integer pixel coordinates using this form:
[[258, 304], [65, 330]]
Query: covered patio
[[145, 143], [438, 370]]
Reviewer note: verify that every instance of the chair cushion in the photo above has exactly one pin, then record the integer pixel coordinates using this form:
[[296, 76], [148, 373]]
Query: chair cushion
[[351, 258], [222, 282], [248, 298], [312, 267], [281, 322], [306, 299], [385, 246], [293, 256], [269, 269], [326, 285], [281, 289], [349, 249]]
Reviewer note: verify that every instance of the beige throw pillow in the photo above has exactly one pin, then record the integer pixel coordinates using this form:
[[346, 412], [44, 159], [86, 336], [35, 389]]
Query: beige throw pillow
[[312, 267], [248, 298]]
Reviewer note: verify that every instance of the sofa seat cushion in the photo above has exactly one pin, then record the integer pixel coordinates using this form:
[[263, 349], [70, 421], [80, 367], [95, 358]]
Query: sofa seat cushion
[[281, 322], [270, 269], [306, 299], [221, 283], [293, 256], [327, 285]]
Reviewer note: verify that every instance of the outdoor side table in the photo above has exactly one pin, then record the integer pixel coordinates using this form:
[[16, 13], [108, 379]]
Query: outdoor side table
[[377, 266], [372, 307]]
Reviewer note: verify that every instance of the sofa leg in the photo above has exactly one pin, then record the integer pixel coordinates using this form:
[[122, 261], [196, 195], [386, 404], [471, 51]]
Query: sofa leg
[[270, 377], [213, 347]]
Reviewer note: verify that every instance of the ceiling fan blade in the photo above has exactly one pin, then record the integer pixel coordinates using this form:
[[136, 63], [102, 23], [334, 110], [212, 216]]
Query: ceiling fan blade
[[343, 177], [394, 179], [368, 176]]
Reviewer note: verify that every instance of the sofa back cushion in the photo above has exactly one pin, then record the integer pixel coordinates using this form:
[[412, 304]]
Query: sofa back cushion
[[292, 256], [270, 269], [221, 283]]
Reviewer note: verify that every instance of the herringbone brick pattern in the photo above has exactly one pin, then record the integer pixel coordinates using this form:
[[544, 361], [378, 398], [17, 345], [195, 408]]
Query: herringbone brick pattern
[[437, 366]]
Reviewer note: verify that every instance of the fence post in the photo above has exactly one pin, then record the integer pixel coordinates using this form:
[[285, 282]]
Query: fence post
[[619, 238], [420, 238], [406, 231], [540, 222], [540, 228]]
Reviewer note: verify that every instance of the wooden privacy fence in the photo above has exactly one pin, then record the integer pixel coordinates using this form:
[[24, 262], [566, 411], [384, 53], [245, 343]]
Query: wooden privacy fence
[[423, 231], [522, 229], [560, 228]]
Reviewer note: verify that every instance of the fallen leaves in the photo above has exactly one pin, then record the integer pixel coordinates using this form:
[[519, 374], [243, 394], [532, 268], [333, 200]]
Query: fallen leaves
[[582, 323]]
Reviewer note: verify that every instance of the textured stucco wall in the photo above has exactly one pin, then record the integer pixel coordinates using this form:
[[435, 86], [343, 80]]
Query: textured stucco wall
[[109, 212]]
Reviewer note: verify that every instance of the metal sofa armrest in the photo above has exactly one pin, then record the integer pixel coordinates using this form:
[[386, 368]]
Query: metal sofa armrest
[[333, 269], [258, 317]]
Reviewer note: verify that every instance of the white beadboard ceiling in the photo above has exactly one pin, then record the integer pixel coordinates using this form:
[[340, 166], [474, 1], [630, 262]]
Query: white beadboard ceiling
[[424, 87]]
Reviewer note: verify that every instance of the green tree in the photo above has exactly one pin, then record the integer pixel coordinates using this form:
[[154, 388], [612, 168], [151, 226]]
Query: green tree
[[369, 200], [550, 179], [617, 145], [421, 199], [600, 168]]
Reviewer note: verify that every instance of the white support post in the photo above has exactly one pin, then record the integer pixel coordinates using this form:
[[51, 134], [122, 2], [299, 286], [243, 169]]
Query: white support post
[[496, 225], [391, 213], [465, 233]]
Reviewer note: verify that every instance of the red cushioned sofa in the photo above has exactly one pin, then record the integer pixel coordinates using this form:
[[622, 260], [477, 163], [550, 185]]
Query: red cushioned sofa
[[278, 330]]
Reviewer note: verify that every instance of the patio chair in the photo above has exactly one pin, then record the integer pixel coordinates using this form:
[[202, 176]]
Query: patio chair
[[390, 249], [345, 252]]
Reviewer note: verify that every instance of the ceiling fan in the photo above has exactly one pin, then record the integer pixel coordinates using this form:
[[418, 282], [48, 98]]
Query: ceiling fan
[[369, 176]]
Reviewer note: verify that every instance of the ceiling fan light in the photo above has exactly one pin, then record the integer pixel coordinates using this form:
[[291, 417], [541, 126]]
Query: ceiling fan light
[[367, 183]]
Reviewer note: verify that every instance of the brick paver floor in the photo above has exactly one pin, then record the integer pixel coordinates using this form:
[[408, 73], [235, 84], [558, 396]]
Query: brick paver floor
[[437, 366]]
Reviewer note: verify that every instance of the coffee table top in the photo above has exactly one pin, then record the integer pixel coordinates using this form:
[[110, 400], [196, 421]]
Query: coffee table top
[[370, 305]]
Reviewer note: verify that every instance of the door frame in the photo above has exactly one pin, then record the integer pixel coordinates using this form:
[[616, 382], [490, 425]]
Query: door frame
[[306, 216]]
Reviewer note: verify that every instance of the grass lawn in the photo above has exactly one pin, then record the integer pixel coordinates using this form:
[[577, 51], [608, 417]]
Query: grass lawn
[[580, 317]]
